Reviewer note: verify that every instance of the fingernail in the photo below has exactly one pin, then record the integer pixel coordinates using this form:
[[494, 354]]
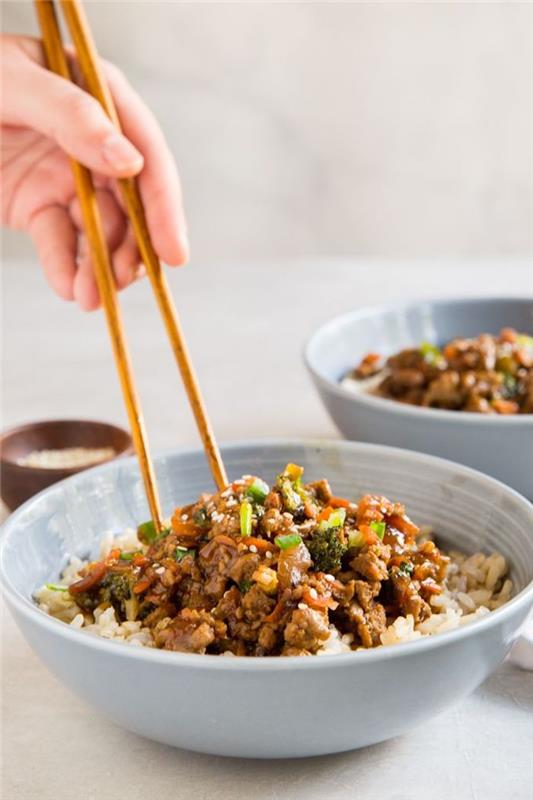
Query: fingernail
[[121, 154]]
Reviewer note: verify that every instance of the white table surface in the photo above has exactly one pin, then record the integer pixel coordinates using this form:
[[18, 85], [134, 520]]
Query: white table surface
[[245, 325]]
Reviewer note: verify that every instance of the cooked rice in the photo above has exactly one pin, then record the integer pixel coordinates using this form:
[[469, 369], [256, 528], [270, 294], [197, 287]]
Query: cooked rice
[[475, 585]]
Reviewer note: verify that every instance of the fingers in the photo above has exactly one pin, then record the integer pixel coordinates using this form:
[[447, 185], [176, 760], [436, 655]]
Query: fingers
[[159, 182], [55, 237], [65, 113], [121, 245]]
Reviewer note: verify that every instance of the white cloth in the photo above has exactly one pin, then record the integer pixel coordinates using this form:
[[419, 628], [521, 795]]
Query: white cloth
[[522, 652]]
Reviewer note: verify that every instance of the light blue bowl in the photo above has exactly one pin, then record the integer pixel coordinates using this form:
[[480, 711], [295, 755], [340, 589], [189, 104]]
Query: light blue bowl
[[271, 707], [501, 446]]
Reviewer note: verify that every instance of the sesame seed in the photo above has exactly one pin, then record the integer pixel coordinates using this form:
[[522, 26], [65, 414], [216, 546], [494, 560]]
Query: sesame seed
[[239, 482], [225, 493], [313, 593], [231, 503], [287, 515], [184, 517], [329, 577], [268, 553], [253, 548], [302, 606], [160, 570]]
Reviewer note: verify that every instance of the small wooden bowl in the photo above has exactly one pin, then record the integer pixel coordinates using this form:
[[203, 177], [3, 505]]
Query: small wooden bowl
[[18, 483]]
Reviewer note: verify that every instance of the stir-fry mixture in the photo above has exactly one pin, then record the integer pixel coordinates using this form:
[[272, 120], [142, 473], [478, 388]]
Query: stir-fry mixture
[[489, 374], [257, 570]]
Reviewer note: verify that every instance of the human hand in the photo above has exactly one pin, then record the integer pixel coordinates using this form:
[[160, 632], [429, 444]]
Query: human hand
[[45, 120]]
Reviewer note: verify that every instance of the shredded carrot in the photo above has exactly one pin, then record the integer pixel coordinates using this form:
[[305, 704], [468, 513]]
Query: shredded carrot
[[339, 502], [369, 535], [318, 603], [261, 544], [113, 554], [140, 561], [324, 514], [276, 613], [141, 586], [505, 406]]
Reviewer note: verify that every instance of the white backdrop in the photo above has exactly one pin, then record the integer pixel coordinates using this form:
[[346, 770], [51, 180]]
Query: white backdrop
[[396, 129]]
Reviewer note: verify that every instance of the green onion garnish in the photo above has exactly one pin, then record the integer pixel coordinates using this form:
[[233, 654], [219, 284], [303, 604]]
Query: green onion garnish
[[54, 587], [182, 552], [127, 556], [245, 586], [430, 352], [356, 539], [246, 518], [148, 534], [525, 341], [287, 541], [379, 528], [258, 490], [335, 520]]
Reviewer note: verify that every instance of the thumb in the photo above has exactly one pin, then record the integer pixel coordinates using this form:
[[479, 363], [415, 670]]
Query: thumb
[[59, 109]]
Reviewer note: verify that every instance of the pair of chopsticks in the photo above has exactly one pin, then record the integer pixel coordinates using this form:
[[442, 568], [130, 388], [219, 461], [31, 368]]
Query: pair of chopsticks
[[96, 84]]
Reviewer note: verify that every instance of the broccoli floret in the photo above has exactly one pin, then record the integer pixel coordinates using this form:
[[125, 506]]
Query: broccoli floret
[[326, 550], [116, 589]]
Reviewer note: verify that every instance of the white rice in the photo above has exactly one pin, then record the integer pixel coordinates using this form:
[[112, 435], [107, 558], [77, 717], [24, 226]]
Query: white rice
[[475, 585]]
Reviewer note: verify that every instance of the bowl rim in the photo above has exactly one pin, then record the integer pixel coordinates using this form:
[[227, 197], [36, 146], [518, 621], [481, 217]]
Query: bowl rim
[[66, 471], [386, 405], [36, 616]]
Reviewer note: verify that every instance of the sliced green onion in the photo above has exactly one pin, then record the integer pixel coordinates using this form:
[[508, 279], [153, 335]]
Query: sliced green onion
[[54, 587], [258, 490], [356, 539], [246, 518], [335, 520], [287, 541], [379, 528], [148, 534], [525, 341], [182, 552], [127, 556], [430, 352], [245, 586]]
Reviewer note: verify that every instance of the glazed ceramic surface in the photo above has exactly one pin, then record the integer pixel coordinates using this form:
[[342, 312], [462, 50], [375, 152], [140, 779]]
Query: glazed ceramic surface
[[501, 446], [271, 707]]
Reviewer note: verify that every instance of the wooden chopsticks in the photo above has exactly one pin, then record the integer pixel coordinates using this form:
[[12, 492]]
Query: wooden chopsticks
[[97, 86]]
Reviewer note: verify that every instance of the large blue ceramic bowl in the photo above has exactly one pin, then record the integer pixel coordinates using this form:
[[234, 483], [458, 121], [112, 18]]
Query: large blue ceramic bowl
[[270, 707], [501, 446]]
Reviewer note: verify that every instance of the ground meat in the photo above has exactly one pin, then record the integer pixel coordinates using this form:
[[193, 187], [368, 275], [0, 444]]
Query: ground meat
[[367, 625], [372, 562], [307, 629], [189, 632], [215, 561], [488, 374], [256, 604], [366, 592]]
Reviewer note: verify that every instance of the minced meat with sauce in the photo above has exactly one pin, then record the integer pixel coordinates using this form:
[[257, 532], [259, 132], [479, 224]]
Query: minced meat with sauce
[[258, 571], [488, 374]]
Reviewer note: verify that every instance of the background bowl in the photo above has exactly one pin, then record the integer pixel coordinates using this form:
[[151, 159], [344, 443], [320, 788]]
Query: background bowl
[[271, 707], [18, 483], [501, 446]]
